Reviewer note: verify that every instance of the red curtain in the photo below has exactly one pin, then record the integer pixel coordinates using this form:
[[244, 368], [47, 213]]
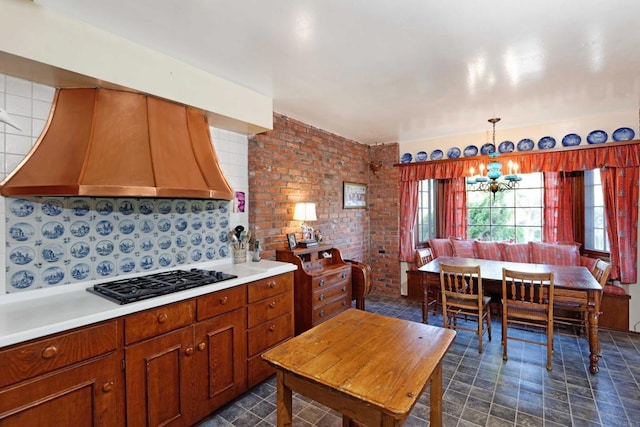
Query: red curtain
[[455, 208], [408, 211], [620, 187], [558, 207]]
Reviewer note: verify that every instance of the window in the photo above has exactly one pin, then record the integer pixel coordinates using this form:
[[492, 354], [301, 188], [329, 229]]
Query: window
[[426, 221], [511, 214], [595, 231]]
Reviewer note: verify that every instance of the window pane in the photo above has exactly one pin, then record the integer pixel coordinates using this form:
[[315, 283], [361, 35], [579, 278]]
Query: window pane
[[595, 222]]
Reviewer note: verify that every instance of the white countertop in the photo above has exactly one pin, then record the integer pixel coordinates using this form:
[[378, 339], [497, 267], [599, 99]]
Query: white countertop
[[34, 314]]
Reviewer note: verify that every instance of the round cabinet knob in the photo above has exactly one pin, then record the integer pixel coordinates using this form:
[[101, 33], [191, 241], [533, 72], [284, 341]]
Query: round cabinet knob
[[224, 300], [202, 346], [344, 289], [272, 328], [321, 283], [344, 275], [322, 313], [344, 303], [272, 304], [49, 352], [107, 387], [272, 285], [321, 297], [188, 351], [162, 317]]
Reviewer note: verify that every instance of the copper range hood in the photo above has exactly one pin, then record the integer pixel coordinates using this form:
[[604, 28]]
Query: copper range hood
[[101, 142]]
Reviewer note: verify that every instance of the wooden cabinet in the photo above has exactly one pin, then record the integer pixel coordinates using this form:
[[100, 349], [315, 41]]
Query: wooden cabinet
[[72, 378], [322, 286], [269, 321]]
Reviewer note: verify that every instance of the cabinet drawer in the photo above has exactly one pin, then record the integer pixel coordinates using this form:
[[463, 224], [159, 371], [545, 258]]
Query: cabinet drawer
[[269, 333], [324, 294], [330, 309], [47, 354], [341, 275], [220, 302], [150, 323], [269, 287], [270, 308]]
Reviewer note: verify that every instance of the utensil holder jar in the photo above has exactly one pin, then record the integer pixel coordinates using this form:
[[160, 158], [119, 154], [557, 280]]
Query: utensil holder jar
[[239, 256]]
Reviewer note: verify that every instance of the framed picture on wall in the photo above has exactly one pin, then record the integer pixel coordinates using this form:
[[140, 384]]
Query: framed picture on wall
[[354, 195], [291, 240]]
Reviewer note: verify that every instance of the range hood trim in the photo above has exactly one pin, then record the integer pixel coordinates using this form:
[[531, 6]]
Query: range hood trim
[[74, 158]]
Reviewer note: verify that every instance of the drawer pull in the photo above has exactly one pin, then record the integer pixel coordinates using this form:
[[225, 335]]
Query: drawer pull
[[107, 387], [49, 352], [344, 275], [189, 351], [321, 313], [344, 289], [344, 303], [224, 300], [162, 317], [272, 304], [321, 297], [202, 346], [272, 284], [272, 328], [321, 283]]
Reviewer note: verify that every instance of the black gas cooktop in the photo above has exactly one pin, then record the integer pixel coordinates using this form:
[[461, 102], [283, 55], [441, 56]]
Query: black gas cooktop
[[124, 291]]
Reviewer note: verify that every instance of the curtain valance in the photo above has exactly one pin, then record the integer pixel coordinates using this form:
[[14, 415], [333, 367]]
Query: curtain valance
[[613, 155]]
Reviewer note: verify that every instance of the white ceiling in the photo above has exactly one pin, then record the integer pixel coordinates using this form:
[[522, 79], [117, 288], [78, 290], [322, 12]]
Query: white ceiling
[[383, 70]]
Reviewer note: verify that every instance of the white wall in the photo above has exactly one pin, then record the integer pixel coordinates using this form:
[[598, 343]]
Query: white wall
[[29, 104]]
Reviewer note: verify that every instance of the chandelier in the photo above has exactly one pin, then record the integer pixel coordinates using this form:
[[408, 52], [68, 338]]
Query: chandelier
[[492, 180]]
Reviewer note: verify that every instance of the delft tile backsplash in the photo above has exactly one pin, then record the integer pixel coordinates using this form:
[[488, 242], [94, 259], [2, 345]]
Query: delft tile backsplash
[[60, 240]]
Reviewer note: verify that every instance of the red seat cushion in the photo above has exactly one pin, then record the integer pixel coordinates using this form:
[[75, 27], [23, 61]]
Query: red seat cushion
[[515, 252], [488, 250], [463, 248], [441, 247], [555, 254], [613, 289]]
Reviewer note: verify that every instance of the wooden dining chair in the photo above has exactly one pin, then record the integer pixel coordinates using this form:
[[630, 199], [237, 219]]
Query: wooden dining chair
[[527, 300], [462, 296], [573, 312], [423, 256]]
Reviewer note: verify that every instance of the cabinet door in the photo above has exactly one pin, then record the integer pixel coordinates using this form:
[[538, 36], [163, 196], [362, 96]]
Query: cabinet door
[[159, 375], [82, 395], [220, 361]]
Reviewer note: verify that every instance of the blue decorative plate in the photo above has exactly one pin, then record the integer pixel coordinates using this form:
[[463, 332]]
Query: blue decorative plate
[[210, 253], [196, 254], [164, 207], [53, 275], [146, 226], [506, 147], [126, 226], [421, 156], [546, 142], [487, 148], [571, 140], [146, 245], [196, 239], [597, 137], [437, 155], [80, 271], [105, 268], [181, 241], [406, 158], [210, 222], [126, 246], [196, 207], [104, 228], [146, 262], [126, 207], [471, 151], [209, 238], [526, 144], [181, 257], [164, 242], [164, 225], [453, 153], [146, 207], [165, 260], [623, 134], [181, 224], [21, 208]]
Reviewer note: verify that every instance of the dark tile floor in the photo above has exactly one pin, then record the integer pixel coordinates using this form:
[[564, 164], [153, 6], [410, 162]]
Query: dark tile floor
[[482, 390]]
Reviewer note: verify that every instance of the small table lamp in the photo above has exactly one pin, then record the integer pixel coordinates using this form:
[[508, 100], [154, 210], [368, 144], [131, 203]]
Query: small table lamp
[[305, 212]]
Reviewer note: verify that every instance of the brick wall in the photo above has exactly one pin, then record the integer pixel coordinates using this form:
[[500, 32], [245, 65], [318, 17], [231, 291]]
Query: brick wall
[[297, 162], [384, 213]]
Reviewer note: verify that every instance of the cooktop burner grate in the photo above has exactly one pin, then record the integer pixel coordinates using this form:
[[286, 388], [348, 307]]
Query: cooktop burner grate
[[124, 291]]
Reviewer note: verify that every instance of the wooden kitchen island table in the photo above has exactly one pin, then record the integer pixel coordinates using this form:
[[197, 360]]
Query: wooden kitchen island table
[[369, 367], [572, 284]]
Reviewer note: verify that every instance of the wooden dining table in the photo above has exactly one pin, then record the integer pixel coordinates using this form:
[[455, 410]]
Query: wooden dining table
[[573, 284], [369, 367]]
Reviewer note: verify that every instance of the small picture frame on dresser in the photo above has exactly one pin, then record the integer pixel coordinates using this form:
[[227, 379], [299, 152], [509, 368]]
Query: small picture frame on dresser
[[291, 240]]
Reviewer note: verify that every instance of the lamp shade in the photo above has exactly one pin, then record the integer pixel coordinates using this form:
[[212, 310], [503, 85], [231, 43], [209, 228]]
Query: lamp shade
[[305, 212]]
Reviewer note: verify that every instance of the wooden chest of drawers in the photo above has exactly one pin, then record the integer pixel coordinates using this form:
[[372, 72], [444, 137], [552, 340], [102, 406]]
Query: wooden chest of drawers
[[322, 286]]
